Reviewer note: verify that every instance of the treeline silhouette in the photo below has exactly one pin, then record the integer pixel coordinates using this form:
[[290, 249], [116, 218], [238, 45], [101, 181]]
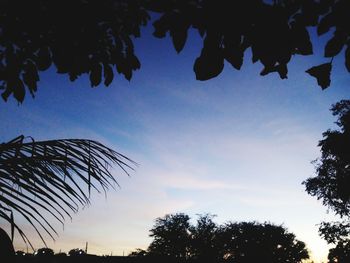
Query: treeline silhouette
[[237, 242]]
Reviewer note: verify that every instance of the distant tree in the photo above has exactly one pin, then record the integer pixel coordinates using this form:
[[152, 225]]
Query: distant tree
[[340, 254], [20, 253], [247, 242], [244, 242], [44, 252], [96, 37], [40, 178], [76, 252], [138, 253], [171, 236], [204, 243], [61, 254]]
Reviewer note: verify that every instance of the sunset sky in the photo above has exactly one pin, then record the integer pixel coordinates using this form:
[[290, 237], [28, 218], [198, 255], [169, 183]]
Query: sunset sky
[[238, 146]]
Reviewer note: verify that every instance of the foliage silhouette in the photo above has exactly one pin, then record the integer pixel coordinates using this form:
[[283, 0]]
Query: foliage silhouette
[[243, 242], [171, 236], [247, 242], [204, 243], [44, 252], [45, 178], [331, 184], [340, 254], [96, 37], [76, 252]]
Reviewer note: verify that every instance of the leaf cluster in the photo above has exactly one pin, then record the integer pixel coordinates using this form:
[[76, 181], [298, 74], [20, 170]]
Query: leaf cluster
[[96, 37]]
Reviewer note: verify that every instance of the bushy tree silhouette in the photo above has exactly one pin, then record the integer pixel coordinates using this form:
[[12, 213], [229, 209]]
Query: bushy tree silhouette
[[44, 252], [204, 242], [45, 178], [247, 242], [171, 236], [96, 37]]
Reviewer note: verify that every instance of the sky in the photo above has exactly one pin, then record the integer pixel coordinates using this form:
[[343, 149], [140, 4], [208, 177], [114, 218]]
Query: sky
[[238, 146]]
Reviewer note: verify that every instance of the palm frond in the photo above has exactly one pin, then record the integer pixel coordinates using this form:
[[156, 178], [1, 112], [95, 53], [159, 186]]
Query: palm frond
[[52, 176]]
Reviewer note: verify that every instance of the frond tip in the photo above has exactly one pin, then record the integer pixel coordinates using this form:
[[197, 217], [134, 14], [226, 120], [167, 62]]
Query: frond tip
[[41, 178]]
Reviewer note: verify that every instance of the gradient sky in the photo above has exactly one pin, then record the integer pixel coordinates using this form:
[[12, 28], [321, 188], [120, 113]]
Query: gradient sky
[[238, 146]]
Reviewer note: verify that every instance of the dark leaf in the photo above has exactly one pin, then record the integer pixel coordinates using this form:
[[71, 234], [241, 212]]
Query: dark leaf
[[347, 58], [208, 65], [281, 69], [325, 24], [301, 40], [43, 59], [12, 226], [18, 89], [335, 45], [108, 74], [96, 75], [30, 77], [234, 56], [134, 61], [322, 73], [161, 26], [179, 39]]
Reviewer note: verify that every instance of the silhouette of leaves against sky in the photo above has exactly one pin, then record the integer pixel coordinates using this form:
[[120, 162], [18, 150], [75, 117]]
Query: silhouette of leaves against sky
[[96, 37]]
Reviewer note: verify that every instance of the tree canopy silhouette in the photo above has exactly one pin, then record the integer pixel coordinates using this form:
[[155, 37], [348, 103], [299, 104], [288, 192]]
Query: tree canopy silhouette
[[332, 182], [331, 185], [96, 37], [171, 236], [42, 179], [243, 242]]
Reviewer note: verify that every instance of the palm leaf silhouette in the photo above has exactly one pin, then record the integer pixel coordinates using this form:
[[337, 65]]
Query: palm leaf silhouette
[[41, 178]]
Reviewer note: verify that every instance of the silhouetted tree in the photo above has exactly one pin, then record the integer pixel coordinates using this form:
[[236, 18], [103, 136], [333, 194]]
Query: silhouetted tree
[[76, 252], [44, 252], [171, 236], [332, 182], [204, 243], [248, 242], [138, 253], [335, 232], [96, 37], [340, 254], [40, 178]]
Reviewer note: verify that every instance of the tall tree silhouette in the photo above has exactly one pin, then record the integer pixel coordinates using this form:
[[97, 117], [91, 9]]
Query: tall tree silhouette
[[96, 37], [332, 183], [43, 179]]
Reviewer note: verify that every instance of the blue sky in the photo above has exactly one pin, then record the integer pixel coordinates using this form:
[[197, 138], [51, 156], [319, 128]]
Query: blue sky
[[237, 146]]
